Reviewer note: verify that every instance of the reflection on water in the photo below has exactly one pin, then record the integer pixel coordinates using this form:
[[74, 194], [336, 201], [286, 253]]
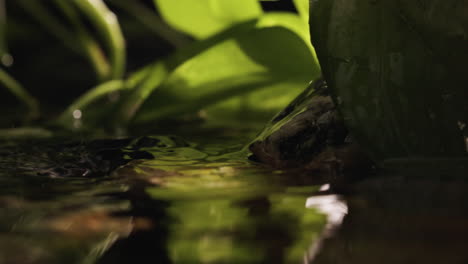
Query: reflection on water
[[204, 203], [417, 216], [191, 204], [222, 209]]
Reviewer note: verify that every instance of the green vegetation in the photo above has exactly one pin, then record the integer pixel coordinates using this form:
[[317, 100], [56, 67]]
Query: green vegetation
[[232, 62], [242, 60]]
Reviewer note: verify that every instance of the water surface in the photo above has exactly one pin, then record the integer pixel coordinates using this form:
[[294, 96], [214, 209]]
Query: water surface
[[202, 201]]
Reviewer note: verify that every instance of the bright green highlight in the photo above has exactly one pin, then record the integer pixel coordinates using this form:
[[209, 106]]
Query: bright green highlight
[[239, 65], [204, 18], [108, 26]]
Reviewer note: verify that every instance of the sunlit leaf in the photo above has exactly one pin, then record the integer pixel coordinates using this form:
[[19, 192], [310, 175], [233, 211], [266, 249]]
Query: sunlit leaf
[[207, 17], [251, 60], [256, 106], [288, 20], [302, 7], [96, 106]]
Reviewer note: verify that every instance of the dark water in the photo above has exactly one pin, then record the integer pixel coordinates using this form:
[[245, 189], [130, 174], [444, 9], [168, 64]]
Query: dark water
[[204, 202]]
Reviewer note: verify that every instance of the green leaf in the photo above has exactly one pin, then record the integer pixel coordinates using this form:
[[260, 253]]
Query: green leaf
[[206, 17], [302, 7], [88, 45], [290, 21], [95, 106], [244, 68], [257, 59]]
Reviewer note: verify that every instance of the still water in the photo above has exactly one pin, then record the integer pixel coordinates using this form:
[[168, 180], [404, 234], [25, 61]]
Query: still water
[[202, 201]]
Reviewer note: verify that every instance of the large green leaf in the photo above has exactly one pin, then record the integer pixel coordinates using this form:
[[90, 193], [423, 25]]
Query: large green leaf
[[206, 17], [245, 68], [260, 58], [99, 107], [302, 7]]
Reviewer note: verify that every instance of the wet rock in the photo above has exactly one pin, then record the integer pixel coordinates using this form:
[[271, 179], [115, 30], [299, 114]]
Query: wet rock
[[311, 134]]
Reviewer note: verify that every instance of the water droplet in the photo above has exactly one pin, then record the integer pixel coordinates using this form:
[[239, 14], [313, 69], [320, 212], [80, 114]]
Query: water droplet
[[324, 187], [7, 60], [77, 114]]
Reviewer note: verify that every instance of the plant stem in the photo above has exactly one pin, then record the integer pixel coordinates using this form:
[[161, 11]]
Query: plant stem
[[54, 26], [150, 79], [149, 19], [107, 24], [89, 45], [90, 96], [16, 89]]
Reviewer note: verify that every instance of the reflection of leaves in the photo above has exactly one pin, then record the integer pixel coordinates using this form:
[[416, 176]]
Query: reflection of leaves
[[204, 18], [308, 226], [207, 230], [219, 217], [97, 110]]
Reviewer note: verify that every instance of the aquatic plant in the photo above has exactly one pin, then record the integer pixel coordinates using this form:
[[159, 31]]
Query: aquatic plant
[[228, 58]]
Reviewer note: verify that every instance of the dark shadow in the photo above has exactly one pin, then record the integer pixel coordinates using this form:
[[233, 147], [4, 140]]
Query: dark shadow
[[147, 243], [402, 218]]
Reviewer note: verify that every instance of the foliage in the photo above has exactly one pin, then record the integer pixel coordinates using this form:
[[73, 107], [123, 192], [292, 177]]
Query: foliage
[[206, 18], [243, 59]]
